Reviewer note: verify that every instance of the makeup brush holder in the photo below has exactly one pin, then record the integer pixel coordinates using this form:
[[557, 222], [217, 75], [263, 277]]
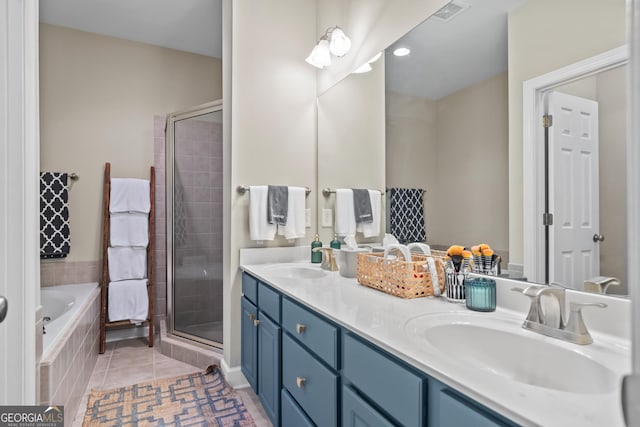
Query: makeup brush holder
[[454, 289]]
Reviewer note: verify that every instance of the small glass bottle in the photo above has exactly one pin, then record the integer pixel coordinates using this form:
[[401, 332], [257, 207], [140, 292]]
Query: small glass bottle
[[316, 256], [335, 243]]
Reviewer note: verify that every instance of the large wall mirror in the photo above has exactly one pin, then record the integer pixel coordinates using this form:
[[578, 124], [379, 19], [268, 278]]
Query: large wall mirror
[[447, 117]]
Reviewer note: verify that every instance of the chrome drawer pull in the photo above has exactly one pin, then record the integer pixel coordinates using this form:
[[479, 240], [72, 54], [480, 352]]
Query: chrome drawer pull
[[252, 316], [256, 322], [300, 381], [300, 328]]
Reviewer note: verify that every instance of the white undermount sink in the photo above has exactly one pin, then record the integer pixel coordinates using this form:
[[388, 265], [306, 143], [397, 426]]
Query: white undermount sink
[[500, 346], [297, 271]]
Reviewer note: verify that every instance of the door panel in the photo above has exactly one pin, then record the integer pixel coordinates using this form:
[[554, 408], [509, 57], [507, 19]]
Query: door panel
[[573, 189]]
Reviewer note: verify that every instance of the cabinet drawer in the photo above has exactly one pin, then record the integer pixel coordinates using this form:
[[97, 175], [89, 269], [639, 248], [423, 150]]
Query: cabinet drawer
[[269, 301], [455, 411], [250, 287], [358, 413], [390, 385], [317, 334], [312, 385], [292, 414]]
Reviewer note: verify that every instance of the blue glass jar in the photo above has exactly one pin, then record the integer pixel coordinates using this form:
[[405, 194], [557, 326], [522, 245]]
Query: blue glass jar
[[481, 294]]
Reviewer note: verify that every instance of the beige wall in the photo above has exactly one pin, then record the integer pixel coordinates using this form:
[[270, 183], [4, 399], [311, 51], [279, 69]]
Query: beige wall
[[273, 131], [351, 140], [540, 42], [456, 149], [98, 96]]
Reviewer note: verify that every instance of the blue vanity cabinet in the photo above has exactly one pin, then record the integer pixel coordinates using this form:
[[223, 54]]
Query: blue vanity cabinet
[[260, 354], [249, 349], [356, 412]]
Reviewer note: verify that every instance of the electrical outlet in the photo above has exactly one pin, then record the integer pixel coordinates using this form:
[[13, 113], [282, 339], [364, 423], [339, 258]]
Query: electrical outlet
[[307, 218], [327, 217]]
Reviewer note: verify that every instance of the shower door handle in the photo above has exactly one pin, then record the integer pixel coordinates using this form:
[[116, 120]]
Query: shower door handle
[[4, 307]]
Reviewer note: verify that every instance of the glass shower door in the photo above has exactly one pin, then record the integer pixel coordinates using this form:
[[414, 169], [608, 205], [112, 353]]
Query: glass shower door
[[194, 224]]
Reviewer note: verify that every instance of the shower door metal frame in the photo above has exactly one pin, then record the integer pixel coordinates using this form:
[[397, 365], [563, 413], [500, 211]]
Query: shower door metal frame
[[209, 107]]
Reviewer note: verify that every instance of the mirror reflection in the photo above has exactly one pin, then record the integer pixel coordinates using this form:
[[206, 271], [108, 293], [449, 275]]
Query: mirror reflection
[[447, 116]]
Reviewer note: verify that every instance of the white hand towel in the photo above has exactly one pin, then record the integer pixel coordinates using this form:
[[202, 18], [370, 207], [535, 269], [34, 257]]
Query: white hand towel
[[127, 263], [129, 229], [295, 227], [372, 229], [344, 212], [128, 300], [259, 227], [129, 195]]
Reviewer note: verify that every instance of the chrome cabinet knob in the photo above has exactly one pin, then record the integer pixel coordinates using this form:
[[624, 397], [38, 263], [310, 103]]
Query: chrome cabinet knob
[[256, 323], [598, 237], [252, 316], [300, 328], [301, 381]]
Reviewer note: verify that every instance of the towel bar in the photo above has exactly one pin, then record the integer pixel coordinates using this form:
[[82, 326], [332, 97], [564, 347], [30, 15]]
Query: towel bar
[[241, 189], [327, 191]]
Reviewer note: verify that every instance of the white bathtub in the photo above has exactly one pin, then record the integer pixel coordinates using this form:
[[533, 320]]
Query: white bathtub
[[62, 305]]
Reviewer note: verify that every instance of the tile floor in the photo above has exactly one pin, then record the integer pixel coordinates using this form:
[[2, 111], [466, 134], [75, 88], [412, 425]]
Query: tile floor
[[132, 361]]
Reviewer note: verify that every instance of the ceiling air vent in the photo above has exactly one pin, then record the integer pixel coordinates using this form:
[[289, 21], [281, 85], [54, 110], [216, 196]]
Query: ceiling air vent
[[450, 11]]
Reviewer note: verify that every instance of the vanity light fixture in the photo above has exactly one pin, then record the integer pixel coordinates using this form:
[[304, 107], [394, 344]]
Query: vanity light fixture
[[334, 42], [402, 51]]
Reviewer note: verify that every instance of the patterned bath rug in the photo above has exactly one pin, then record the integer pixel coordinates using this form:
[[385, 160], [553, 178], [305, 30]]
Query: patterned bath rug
[[196, 399]]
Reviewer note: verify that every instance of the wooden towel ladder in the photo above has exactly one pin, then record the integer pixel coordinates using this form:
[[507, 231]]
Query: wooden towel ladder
[[104, 281]]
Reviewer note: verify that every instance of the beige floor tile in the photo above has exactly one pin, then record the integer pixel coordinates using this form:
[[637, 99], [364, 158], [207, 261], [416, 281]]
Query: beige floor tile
[[173, 369], [127, 376], [138, 358]]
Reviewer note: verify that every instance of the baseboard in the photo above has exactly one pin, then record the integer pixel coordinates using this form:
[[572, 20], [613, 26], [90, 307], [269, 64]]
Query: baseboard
[[233, 375]]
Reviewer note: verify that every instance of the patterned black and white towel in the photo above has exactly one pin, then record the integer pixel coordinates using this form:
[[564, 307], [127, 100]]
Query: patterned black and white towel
[[55, 241], [407, 215]]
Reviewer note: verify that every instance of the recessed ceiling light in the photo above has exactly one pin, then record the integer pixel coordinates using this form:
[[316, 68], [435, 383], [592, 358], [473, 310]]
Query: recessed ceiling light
[[402, 51]]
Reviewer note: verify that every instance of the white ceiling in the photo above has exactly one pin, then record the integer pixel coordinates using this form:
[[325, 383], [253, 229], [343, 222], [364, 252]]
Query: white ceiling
[[189, 25], [449, 56]]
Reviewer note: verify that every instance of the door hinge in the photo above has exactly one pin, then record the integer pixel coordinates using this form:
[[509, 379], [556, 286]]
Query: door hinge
[[547, 219], [547, 120]]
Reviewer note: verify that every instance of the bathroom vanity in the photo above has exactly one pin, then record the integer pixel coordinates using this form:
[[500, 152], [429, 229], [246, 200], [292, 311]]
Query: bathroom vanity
[[319, 349]]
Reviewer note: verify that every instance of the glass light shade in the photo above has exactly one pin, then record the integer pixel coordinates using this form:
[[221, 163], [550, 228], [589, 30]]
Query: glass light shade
[[364, 68], [311, 58], [320, 56], [340, 43]]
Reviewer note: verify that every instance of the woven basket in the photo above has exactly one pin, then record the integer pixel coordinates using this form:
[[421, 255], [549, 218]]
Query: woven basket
[[400, 278]]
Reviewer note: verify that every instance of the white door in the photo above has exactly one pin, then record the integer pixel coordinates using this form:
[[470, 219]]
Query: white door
[[573, 190]]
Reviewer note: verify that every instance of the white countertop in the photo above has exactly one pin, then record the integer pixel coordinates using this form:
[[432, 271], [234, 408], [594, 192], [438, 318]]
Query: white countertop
[[382, 319]]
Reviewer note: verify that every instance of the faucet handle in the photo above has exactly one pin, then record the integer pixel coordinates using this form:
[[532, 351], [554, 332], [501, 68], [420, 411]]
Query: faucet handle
[[576, 323], [534, 309]]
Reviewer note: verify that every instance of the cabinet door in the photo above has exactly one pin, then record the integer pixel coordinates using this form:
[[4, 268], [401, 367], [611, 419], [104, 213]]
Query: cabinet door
[[358, 413], [269, 341], [249, 349]]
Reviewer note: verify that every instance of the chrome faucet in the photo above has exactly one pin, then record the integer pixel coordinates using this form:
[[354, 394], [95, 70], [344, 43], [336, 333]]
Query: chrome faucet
[[553, 321], [328, 258]]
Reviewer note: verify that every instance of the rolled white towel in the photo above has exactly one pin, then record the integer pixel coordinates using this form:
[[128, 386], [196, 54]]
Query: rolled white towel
[[129, 229], [127, 263], [128, 300], [129, 195]]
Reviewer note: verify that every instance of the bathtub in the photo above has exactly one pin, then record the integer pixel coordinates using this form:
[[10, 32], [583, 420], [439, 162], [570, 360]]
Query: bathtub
[[60, 306], [69, 345]]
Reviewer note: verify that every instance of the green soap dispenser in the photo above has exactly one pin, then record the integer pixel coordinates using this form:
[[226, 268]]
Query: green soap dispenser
[[335, 243], [316, 256]]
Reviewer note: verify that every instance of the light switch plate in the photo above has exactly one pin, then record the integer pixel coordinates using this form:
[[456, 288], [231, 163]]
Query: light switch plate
[[327, 217], [307, 218]]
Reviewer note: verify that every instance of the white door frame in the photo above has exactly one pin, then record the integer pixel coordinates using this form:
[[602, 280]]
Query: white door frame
[[19, 199], [533, 148]]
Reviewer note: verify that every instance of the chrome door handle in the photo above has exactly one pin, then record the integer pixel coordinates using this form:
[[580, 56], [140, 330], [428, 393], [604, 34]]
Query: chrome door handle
[[598, 237], [4, 306]]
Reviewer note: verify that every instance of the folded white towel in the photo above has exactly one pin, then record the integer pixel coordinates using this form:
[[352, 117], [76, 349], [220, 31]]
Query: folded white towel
[[129, 229], [295, 227], [128, 300], [372, 229], [126, 263], [259, 227], [345, 221], [129, 195]]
